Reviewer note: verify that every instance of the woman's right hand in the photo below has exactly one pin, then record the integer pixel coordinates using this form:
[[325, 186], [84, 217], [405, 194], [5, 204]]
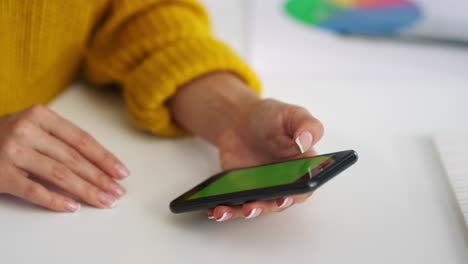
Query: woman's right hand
[[38, 143]]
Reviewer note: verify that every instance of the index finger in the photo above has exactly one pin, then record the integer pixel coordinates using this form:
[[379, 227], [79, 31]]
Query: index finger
[[78, 139]]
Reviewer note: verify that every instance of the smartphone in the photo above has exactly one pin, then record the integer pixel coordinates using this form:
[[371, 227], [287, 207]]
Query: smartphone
[[264, 182]]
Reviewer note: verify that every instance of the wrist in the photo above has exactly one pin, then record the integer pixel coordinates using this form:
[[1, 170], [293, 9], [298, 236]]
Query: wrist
[[210, 104]]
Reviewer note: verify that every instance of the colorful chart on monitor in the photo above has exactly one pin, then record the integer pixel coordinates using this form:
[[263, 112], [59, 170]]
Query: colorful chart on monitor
[[381, 17]]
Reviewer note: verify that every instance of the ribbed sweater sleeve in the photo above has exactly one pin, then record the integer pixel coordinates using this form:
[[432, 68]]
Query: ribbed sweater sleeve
[[153, 47]]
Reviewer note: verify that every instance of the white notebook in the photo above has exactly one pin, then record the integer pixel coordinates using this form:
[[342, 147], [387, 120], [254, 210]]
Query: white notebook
[[453, 151]]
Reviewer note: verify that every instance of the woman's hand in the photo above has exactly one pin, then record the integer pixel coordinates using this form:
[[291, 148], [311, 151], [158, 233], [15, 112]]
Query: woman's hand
[[247, 130], [270, 131], [36, 143]]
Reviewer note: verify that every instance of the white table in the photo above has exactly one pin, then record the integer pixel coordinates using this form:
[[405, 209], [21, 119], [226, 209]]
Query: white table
[[393, 206]]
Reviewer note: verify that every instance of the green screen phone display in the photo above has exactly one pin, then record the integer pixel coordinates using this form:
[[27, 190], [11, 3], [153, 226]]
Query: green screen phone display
[[262, 177]]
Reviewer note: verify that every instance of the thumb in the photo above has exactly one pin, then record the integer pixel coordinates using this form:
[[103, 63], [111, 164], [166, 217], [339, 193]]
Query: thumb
[[304, 129], [303, 141]]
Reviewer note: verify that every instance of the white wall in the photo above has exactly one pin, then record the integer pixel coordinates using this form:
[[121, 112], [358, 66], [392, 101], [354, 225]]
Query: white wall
[[230, 21]]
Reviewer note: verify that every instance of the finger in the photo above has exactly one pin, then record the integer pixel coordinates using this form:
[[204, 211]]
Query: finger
[[301, 197], [61, 152], [59, 175], [254, 209], [22, 187], [305, 129], [285, 202], [78, 139], [257, 208], [210, 213], [223, 213]]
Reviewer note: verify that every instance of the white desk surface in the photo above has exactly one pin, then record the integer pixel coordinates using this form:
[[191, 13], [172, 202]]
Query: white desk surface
[[393, 206]]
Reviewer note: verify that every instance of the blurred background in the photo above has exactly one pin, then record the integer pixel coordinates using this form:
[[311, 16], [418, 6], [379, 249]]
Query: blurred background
[[329, 38]]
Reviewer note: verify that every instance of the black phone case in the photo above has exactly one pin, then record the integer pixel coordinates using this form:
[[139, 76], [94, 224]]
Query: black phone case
[[179, 205]]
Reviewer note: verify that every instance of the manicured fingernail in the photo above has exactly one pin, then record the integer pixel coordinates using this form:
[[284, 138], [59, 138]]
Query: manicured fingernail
[[226, 216], [304, 141], [106, 199], [284, 202], [72, 206], [211, 214], [254, 213], [117, 189], [121, 171]]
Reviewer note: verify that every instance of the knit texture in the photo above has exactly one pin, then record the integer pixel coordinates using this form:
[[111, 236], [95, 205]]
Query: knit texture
[[148, 47], [41, 45]]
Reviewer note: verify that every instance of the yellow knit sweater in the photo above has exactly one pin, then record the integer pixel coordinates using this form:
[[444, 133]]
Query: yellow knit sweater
[[148, 47]]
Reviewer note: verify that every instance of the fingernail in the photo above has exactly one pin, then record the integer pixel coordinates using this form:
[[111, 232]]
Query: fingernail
[[106, 199], [211, 214], [226, 216], [117, 189], [72, 206], [121, 171], [304, 141], [254, 213], [284, 202]]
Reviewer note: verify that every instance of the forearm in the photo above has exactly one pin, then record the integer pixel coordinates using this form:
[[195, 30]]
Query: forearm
[[208, 105]]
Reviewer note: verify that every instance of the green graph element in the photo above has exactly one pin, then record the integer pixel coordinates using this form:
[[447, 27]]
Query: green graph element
[[310, 11]]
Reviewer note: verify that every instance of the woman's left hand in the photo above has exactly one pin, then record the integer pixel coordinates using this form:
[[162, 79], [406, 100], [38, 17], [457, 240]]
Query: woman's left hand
[[270, 131]]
